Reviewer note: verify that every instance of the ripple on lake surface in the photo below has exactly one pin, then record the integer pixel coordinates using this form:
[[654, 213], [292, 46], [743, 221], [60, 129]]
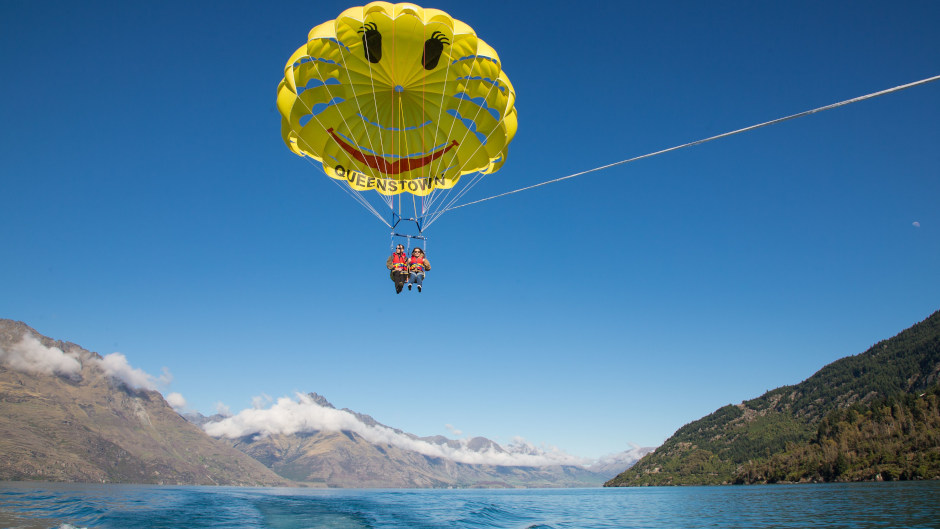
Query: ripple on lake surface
[[862, 505]]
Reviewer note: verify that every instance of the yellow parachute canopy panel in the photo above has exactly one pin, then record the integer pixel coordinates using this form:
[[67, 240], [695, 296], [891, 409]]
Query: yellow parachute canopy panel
[[396, 99]]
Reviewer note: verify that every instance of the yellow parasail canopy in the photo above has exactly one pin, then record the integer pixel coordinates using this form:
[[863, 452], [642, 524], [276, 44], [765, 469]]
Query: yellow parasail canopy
[[395, 98]]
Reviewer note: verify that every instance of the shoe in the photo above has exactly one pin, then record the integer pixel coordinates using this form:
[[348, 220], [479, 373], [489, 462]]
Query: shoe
[[419, 288], [409, 286]]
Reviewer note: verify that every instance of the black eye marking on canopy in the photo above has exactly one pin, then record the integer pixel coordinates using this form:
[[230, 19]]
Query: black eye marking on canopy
[[433, 47], [371, 42]]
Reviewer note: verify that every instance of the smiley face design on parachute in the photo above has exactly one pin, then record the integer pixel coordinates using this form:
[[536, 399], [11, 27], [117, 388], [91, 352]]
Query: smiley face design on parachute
[[396, 98]]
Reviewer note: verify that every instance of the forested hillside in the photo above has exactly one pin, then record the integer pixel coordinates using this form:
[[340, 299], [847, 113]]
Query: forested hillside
[[897, 438], [741, 443]]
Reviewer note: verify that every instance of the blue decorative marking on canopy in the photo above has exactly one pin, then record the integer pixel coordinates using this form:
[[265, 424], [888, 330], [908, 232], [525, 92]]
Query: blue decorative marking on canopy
[[470, 124], [480, 102], [306, 58], [374, 124], [316, 83], [474, 57], [485, 79]]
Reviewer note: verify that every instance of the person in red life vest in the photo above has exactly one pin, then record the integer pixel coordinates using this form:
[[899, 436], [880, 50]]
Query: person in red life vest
[[398, 264], [417, 266]]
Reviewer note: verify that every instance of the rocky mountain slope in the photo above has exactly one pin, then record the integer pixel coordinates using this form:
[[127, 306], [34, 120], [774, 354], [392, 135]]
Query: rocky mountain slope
[[64, 418], [741, 443], [346, 459]]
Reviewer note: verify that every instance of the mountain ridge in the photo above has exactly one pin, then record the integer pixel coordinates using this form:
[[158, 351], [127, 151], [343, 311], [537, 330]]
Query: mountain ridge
[[372, 454], [717, 448]]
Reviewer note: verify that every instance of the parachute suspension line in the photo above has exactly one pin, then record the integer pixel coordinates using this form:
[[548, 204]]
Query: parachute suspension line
[[392, 244], [706, 140], [424, 85], [389, 200], [466, 187], [475, 179], [480, 174], [398, 125], [403, 139], [349, 191], [426, 206], [407, 149], [356, 196], [450, 131], [362, 117]]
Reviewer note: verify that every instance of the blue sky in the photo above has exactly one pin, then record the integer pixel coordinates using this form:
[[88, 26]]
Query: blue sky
[[151, 208]]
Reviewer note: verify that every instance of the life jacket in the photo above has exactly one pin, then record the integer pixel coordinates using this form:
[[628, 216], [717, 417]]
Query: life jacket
[[416, 264], [400, 261]]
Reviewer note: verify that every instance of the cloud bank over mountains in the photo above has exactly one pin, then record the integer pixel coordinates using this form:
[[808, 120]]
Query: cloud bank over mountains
[[29, 355], [288, 416], [177, 402]]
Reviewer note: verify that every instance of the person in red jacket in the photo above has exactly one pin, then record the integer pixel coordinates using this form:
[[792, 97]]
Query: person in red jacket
[[417, 266], [398, 264]]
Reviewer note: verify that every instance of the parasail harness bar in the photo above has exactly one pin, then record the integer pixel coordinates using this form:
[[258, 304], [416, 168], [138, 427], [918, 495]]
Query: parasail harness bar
[[396, 220]]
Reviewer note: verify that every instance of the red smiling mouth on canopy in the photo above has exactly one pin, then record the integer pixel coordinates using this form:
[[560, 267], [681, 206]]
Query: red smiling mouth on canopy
[[383, 165]]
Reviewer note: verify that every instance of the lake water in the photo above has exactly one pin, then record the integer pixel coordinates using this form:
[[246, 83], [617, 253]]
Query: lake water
[[862, 505]]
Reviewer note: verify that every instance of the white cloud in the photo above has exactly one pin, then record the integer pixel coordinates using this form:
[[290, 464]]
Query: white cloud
[[623, 459], [288, 416], [222, 409], [452, 429], [116, 365], [176, 401], [31, 356], [260, 401]]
